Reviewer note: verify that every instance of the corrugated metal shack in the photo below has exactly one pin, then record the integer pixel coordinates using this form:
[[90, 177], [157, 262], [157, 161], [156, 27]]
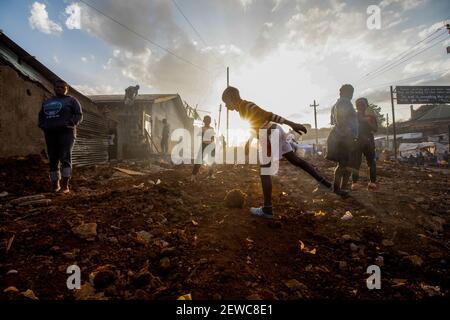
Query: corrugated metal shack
[[24, 84], [139, 126]]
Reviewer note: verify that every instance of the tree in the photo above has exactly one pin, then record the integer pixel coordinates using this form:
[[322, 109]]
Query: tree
[[380, 116]]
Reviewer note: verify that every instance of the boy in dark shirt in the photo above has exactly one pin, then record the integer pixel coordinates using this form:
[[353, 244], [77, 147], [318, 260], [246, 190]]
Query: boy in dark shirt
[[58, 118]]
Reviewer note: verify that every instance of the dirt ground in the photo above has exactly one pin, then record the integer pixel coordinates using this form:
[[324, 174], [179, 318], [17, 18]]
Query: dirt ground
[[160, 236]]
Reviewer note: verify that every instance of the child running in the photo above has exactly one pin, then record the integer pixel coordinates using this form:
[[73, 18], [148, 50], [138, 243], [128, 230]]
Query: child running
[[261, 119]]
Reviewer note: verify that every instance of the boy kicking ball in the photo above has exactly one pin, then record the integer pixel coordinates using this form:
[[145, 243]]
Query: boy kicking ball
[[261, 119]]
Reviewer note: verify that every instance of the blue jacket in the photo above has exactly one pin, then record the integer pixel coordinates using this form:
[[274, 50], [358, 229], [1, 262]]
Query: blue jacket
[[344, 118], [60, 112]]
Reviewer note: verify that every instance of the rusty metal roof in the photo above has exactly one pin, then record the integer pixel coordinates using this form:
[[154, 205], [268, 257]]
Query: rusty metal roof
[[155, 98]]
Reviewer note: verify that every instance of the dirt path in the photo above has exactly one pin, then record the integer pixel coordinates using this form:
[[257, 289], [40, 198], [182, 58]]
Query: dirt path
[[160, 240]]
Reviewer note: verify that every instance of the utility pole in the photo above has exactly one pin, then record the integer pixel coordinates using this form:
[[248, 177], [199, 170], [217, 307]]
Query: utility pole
[[220, 113], [393, 123], [228, 111], [315, 122], [387, 129]]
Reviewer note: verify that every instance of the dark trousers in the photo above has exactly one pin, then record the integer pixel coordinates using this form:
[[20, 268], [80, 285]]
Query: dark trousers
[[164, 145], [59, 150], [366, 148], [346, 164], [266, 180]]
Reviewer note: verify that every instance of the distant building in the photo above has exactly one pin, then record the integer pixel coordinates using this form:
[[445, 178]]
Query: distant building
[[428, 119], [24, 84], [139, 126]]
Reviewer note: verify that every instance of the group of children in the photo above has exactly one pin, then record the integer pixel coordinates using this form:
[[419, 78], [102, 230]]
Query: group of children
[[345, 120], [61, 114]]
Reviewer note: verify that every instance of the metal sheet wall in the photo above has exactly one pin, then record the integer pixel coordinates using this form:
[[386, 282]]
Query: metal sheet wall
[[91, 146]]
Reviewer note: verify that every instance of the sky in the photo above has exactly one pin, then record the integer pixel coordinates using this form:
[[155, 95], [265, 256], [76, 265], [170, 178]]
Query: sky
[[282, 54]]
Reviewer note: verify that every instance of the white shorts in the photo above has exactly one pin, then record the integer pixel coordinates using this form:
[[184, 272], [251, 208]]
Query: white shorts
[[283, 146]]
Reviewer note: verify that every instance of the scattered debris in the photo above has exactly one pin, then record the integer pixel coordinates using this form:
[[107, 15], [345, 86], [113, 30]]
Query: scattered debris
[[379, 261], [11, 289], [387, 243], [305, 249], [86, 231], [319, 213], [130, 172], [185, 297], [10, 241], [143, 237], [415, 260], [30, 295], [347, 216]]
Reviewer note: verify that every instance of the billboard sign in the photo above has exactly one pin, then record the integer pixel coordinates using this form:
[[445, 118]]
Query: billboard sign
[[423, 94]]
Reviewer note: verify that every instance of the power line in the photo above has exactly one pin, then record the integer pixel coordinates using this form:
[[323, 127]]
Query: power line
[[409, 58], [144, 37], [402, 55], [403, 80], [188, 21]]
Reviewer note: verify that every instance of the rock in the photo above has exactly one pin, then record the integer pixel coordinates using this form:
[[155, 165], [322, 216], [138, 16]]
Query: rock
[[69, 255], [415, 260], [168, 251], [113, 240], [346, 237], [102, 277], [142, 279], [164, 263], [387, 243], [161, 243], [87, 292], [436, 255], [294, 285], [235, 199], [217, 296], [254, 296], [55, 249], [347, 216], [12, 271], [342, 265], [141, 295], [353, 247], [203, 261], [143, 237], [419, 199], [379, 261], [431, 291], [86, 231]]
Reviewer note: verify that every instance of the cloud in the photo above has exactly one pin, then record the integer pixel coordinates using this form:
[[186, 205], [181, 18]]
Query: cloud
[[39, 20], [246, 3], [99, 89], [145, 63], [74, 16]]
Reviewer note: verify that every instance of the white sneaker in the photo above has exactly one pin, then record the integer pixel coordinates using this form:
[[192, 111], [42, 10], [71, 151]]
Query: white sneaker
[[258, 212]]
